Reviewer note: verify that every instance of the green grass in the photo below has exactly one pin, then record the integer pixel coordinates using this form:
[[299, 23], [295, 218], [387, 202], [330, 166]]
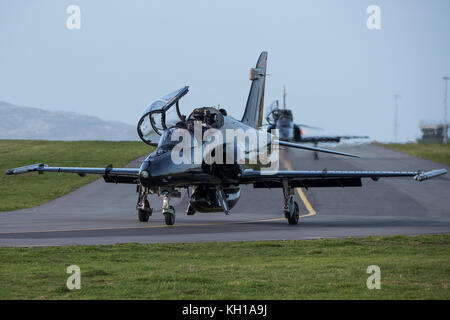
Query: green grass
[[411, 268], [430, 151], [28, 190]]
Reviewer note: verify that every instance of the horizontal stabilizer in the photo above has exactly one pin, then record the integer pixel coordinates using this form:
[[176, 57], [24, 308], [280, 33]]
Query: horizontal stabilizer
[[317, 139], [306, 126], [303, 147]]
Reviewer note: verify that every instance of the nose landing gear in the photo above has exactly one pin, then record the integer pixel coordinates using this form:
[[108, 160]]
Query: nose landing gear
[[144, 211], [168, 210], [169, 216]]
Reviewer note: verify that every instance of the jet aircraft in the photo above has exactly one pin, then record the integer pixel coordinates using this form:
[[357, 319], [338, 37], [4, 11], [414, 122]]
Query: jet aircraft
[[215, 187], [283, 120]]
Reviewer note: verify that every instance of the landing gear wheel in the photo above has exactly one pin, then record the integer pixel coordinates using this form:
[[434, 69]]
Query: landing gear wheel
[[286, 213], [144, 214], [294, 212], [169, 216], [190, 210]]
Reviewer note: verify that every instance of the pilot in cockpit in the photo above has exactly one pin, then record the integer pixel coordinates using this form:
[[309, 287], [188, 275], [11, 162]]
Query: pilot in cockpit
[[209, 117]]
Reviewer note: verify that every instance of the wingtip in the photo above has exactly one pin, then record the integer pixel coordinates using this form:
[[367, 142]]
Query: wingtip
[[430, 174], [25, 169]]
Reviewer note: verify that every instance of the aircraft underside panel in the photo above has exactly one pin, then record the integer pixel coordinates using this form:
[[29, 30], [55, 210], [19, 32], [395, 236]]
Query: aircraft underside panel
[[312, 183], [121, 179]]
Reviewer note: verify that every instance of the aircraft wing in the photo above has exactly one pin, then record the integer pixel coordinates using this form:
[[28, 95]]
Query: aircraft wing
[[307, 126], [110, 174], [318, 139], [325, 178]]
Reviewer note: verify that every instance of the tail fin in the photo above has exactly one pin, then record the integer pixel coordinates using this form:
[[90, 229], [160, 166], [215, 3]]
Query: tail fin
[[253, 113]]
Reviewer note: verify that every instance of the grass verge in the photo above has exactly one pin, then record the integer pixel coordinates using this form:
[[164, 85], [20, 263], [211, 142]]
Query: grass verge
[[430, 151], [28, 190], [411, 268]]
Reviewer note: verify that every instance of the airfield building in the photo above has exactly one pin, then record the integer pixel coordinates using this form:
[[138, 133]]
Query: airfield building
[[435, 133]]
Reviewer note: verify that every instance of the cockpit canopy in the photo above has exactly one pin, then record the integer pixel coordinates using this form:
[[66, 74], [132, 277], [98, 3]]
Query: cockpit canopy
[[283, 122], [166, 143], [160, 115], [275, 112], [164, 114]]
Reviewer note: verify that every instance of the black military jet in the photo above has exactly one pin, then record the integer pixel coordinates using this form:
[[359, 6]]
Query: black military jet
[[215, 187], [282, 119]]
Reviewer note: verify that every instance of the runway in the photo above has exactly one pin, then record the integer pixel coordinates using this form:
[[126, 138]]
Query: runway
[[101, 213]]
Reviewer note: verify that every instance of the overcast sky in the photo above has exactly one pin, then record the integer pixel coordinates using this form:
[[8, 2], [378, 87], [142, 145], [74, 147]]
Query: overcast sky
[[339, 74]]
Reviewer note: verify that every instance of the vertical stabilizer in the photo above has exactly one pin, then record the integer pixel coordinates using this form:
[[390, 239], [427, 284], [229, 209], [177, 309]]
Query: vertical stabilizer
[[253, 113]]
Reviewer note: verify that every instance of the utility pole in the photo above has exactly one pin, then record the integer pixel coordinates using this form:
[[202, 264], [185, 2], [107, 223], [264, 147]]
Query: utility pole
[[284, 97], [445, 110], [396, 97]]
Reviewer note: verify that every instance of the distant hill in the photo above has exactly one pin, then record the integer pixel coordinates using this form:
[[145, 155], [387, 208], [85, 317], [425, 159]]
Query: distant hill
[[33, 123]]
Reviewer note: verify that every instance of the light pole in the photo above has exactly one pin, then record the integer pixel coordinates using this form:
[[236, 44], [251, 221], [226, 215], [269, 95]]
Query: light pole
[[445, 110], [396, 97]]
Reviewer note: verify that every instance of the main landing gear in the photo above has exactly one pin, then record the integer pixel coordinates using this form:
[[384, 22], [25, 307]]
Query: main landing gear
[[316, 154], [144, 211], [291, 208]]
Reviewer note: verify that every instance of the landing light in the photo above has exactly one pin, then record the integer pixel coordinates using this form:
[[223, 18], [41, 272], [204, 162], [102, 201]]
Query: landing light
[[144, 174]]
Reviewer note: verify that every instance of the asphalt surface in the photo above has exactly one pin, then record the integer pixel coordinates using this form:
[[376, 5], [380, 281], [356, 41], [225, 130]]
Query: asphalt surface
[[101, 213]]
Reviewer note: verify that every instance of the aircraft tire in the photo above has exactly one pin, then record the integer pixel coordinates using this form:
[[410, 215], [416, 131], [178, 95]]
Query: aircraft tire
[[169, 216], [144, 215], [294, 213], [190, 210]]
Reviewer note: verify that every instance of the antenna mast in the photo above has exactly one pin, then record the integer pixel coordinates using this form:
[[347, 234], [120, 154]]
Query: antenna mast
[[284, 97], [445, 111]]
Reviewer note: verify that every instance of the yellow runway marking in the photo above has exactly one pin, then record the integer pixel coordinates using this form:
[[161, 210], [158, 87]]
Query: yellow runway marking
[[301, 194]]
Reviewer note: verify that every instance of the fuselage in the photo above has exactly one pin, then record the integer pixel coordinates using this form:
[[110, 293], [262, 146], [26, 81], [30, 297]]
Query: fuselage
[[283, 121], [160, 169], [285, 128]]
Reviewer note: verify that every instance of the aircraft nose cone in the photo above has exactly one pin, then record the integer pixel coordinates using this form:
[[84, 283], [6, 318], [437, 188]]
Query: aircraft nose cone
[[144, 174]]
